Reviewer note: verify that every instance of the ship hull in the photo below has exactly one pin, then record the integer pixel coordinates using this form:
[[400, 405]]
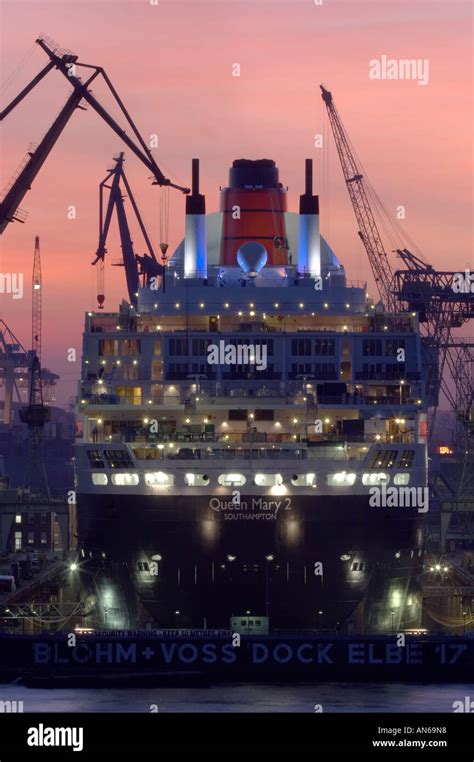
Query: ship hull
[[325, 562]]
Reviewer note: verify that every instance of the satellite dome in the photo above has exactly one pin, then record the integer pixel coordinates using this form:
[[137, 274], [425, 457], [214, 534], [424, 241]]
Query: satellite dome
[[252, 256]]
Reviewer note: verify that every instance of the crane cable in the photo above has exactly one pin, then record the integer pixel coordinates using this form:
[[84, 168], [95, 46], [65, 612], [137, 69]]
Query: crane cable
[[395, 232], [164, 213], [6, 84]]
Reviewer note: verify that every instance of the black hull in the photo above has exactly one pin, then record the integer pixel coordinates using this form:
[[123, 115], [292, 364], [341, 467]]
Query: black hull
[[211, 564]]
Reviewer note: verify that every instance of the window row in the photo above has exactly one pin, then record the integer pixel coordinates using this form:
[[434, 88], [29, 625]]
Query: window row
[[308, 347], [162, 479], [375, 347]]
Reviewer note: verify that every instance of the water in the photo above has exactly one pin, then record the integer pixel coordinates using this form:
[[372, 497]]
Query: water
[[243, 697]]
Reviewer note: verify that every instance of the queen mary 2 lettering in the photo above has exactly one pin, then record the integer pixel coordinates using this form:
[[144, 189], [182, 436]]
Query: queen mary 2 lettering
[[204, 488]]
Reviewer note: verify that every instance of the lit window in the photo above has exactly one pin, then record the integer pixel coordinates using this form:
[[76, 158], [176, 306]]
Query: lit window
[[268, 480], [31, 537], [304, 480], [100, 480], [341, 479], [159, 479], [18, 518], [44, 538], [370, 479], [125, 480], [196, 480], [231, 480], [401, 479]]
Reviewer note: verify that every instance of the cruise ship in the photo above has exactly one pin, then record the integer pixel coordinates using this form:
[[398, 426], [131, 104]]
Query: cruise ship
[[239, 417]]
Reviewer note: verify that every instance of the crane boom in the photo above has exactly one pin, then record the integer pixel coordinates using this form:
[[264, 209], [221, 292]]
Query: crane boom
[[143, 152], [36, 302], [368, 231], [22, 183], [28, 89], [66, 63]]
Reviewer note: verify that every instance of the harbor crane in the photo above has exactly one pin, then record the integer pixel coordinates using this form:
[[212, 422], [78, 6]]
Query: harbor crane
[[368, 230], [67, 64], [419, 287], [134, 265]]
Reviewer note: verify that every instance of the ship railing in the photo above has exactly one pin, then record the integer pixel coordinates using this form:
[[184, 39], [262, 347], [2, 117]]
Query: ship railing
[[224, 454], [116, 399], [312, 444], [355, 284], [163, 400], [360, 399], [404, 376]]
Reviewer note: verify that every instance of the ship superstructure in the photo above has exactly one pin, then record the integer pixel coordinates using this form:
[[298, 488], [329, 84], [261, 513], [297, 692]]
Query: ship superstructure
[[245, 420]]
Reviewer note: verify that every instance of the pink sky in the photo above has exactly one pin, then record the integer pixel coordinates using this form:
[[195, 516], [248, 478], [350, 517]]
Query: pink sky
[[172, 65]]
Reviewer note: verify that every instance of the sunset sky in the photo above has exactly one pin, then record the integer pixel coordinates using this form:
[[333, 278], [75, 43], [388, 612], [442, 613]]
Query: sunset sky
[[172, 65]]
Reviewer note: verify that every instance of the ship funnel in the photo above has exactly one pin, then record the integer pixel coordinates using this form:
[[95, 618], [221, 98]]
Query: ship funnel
[[253, 208], [309, 252], [195, 251]]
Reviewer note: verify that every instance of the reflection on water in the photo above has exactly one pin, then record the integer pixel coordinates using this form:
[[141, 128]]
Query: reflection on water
[[240, 697]]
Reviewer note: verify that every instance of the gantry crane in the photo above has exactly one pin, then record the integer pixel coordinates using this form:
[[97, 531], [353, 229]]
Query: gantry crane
[[67, 63], [134, 265], [419, 287]]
